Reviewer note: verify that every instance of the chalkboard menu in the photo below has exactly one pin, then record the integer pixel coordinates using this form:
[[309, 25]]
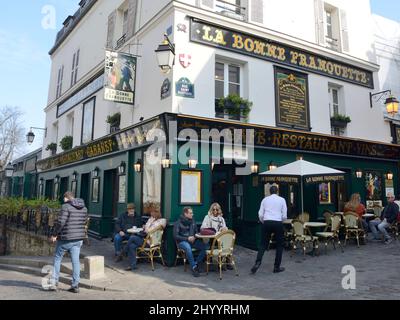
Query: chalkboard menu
[[292, 106]]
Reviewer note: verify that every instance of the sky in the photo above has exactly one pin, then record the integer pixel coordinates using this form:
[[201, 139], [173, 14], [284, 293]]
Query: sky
[[25, 63]]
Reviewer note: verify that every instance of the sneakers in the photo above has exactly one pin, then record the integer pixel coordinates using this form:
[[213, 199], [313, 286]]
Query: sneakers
[[196, 272], [278, 270], [131, 268], [388, 241], [53, 288], [73, 290], [255, 267]]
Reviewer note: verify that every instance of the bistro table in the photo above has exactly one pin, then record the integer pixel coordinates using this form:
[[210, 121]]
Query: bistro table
[[368, 215], [206, 238], [135, 230], [309, 225]]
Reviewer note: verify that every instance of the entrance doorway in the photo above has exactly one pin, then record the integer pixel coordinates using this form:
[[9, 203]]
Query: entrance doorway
[[63, 188], [110, 193], [49, 191], [85, 184]]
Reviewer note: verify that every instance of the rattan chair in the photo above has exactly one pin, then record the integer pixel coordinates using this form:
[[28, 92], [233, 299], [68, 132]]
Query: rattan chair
[[221, 251], [153, 250], [181, 254], [302, 236], [353, 228], [303, 217], [333, 235], [394, 229]]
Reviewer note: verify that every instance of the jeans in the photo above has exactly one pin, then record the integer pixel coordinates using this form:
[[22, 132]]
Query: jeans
[[376, 225], [187, 247], [134, 243], [118, 243], [267, 229], [74, 248]]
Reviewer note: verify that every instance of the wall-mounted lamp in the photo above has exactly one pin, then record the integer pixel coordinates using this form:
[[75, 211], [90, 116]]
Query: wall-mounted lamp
[[272, 166], [41, 181], [57, 179], [166, 55], [30, 137], [389, 176], [166, 162], [391, 103], [95, 172], [138, 166], [9, 170], [74, 176], [192, 163], [121, 168], [255, 168], [359, 173]]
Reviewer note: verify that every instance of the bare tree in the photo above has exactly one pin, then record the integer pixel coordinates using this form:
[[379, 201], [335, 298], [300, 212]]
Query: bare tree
[[11, 134]]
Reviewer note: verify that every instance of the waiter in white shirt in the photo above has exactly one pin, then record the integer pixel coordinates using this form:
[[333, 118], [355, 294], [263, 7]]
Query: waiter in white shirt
[[273, 212]]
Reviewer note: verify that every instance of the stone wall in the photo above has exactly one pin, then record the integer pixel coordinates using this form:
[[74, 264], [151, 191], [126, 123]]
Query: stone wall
[[22, 243]]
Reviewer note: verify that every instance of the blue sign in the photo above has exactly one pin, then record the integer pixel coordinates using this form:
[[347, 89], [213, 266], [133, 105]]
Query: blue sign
[[184, 88]]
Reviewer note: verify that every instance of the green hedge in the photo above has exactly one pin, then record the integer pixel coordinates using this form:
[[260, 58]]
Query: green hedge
[[13, 206]]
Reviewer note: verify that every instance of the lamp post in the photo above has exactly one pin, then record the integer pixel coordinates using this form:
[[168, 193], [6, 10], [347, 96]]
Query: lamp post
[[166, 55], [30, 137]]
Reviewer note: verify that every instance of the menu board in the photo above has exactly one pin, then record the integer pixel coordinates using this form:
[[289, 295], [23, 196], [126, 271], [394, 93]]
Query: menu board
[[292, 106]]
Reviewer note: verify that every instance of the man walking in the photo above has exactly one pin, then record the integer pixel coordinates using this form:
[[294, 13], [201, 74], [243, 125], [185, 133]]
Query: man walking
[[273, 212], [69, 232]]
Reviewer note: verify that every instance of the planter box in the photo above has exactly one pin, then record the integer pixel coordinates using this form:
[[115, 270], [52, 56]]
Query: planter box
[[338, 124]]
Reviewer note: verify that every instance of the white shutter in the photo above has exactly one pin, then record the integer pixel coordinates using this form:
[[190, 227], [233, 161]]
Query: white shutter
[[111, 29], [319, 22], [132, 10], [257, 11], [208, 4], [344, 31]]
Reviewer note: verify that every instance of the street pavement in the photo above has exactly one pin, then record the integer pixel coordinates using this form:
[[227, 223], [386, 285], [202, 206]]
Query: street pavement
[[313, 278]]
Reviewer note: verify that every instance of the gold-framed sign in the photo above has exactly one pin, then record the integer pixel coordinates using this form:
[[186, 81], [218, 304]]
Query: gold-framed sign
[[191, 187]]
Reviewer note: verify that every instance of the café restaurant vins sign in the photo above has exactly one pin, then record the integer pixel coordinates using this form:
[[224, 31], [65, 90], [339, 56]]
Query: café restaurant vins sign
[[212, 35]]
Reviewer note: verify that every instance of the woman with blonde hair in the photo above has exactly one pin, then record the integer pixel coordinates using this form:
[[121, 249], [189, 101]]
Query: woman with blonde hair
[[214, 219], [355, 205]]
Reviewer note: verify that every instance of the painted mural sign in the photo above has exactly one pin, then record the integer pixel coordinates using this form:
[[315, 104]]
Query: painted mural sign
[[292, 106], [373, 185], [184, 88], [123, 140], [120, 74], [275, 138], [266, 49]]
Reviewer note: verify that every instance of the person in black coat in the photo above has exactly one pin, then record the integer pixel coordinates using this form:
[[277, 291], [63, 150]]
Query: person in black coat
[[126, 221], [388, 216], [69, 232], [185, 230]]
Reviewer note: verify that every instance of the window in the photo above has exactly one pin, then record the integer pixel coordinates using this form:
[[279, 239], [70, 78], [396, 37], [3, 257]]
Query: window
[[75, 64], [125, 23], [336, 107], [70, 124], [335, 101], [59, 82], [88, 121], [230, 6], [331, 24], [227, 79]]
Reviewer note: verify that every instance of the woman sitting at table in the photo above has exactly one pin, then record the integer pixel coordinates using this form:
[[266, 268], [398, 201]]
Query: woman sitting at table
[[355, 205], [137, 240], [214, 219]]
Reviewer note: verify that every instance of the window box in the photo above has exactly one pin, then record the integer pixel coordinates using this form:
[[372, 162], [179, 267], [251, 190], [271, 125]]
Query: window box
[[340, 121]]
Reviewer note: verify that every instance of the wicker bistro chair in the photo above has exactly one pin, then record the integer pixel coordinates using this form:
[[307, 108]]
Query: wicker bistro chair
[[353, 228], [333, 235], [302, 236], [303, 217], [394, 229], [222, 251], [153, 250], [181, 254]]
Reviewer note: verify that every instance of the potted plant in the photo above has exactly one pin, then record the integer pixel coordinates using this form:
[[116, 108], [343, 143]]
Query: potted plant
[[340, 121], [237, 107], [114, 121], [52, 147], [66, 143]]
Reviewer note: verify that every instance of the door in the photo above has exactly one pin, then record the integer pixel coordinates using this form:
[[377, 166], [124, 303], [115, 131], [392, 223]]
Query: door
[[49, 189], [85, 184], [110, 193], [222, 190], [63, 188]]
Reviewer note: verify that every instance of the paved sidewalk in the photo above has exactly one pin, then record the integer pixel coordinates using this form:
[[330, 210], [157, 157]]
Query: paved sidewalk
[[313, 278]]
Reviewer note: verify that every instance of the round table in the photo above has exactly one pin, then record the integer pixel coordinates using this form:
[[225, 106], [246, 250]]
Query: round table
[[368, 215], [133, 231], [315, 224]]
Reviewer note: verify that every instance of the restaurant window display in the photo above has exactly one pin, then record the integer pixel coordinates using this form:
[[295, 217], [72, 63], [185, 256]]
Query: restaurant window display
[[373, 185], [324, 193], [152, 176]]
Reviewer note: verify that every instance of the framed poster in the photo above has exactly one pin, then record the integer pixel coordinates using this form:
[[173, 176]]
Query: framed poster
[[373, 185], [73, 187], [191, 187], [122, 189], [324, 191], [95, 189], [292, 102]]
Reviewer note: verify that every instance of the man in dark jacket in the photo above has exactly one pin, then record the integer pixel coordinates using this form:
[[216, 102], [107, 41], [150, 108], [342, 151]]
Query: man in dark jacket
[[389, 215], [184, 234], [69, 232], [125, 221]]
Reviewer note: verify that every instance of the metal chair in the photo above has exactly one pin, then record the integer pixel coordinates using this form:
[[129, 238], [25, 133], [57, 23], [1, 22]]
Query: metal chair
[[181, 254], [151, 246], [353, 228], [333, 235], [302, 236]]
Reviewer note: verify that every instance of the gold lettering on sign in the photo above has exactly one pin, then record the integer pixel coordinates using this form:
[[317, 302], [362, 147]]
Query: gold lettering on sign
[[238, 42]]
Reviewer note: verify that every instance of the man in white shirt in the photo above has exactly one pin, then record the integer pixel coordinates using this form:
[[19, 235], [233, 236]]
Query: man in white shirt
[[273, 212]]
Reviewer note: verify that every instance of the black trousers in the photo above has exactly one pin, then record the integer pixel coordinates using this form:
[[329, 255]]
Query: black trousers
[[268, 228]]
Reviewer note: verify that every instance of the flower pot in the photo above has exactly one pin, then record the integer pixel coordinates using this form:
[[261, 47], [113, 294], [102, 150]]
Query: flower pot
[[338, 123]]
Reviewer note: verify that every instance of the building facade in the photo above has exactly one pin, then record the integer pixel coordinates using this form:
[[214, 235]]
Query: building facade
[[303, 73]]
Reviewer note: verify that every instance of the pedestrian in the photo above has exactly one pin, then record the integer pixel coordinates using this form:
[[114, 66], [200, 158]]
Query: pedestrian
[[273, 211], [69, 233]]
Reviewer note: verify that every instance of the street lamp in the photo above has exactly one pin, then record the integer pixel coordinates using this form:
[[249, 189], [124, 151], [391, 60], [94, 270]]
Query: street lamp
[[255, 168], [166, 55], [138, 166], [121, 168], [359, 173], [9, 170], [272, 166], [166, 162], [74, 176], [192, 163], [391, 103], [30, 137], [95, 172], [389, 176]]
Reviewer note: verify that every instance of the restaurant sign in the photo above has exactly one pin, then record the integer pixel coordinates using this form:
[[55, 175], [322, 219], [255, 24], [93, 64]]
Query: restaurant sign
[[123, 140], [307, 180], [266, 49], [275, 138]]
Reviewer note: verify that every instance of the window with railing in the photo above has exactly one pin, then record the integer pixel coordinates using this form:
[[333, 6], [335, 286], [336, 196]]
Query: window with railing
[[231, 8]]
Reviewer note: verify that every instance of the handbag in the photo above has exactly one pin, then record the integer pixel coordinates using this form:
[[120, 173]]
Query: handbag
[[208, 232]]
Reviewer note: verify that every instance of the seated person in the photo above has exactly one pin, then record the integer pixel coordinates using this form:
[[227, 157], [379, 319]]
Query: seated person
[[125, 221], [355, 205], [185, 230], [389, 215], [137, 240], [214, 219]]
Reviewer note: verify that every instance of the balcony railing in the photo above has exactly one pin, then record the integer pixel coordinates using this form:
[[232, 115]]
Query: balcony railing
[[332, 43], [120, 42], [231, 10]]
